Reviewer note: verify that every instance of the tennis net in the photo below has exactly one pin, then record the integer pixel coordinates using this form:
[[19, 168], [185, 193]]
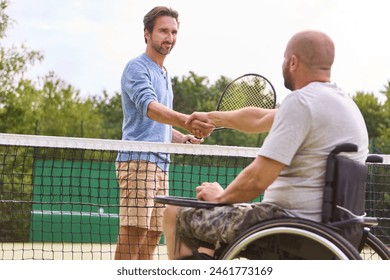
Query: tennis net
[[59, 196]]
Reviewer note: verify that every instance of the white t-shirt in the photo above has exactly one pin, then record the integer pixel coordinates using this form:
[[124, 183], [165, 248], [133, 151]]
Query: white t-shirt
[[308, 125]]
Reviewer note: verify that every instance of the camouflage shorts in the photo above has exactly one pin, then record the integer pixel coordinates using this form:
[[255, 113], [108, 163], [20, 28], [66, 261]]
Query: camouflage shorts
[[221, 224]]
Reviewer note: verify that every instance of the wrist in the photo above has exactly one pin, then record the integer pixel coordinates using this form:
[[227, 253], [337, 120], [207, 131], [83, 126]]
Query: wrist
[[183, 118], [215, 118]]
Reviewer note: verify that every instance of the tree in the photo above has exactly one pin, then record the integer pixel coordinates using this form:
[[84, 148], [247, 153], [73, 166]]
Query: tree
[[55, 109], [49, 106], [193, 93], [383, 141], [110, 109], [14, 61], [372, 112], [377, 117], [62, 112]]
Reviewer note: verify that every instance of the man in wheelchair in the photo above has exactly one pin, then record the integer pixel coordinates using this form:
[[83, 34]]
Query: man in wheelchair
[[290, 167]]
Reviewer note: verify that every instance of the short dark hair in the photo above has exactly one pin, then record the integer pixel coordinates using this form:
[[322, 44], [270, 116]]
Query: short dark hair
[[150, 18]]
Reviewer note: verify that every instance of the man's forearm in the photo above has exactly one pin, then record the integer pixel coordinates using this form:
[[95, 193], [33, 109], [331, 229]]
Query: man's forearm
[[163, 114], [252, 181], [248, 120]]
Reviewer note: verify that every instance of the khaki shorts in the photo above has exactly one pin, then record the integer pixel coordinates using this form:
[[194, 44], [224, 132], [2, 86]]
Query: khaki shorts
[[221, 225], [140, 182]]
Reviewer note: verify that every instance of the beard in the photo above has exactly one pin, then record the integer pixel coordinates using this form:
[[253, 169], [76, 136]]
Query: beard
[[164, 48], [287, 79], [288, 84]]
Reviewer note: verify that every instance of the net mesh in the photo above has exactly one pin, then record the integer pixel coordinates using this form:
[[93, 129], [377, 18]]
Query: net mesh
[[59, 197]]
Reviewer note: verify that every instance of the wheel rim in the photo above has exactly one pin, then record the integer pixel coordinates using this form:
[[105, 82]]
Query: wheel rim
[[235, 250]]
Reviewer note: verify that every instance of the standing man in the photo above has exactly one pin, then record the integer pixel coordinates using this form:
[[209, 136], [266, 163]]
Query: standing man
[[147, 100]]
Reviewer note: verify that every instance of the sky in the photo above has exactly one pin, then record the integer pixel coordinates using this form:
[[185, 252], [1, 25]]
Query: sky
[[88, 42]]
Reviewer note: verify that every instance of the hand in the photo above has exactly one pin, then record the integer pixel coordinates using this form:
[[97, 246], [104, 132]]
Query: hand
[[200, 116], [209, 191], [200, 124], [191, 139]]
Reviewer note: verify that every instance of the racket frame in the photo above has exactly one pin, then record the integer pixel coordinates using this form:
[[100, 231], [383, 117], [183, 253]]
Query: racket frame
[[232, 82]]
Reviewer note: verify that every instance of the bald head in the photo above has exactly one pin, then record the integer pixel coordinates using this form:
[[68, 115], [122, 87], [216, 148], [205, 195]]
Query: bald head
[[312, 54], [314, 48]]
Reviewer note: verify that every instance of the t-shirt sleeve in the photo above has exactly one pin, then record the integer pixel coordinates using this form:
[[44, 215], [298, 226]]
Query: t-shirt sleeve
[[289, 130]]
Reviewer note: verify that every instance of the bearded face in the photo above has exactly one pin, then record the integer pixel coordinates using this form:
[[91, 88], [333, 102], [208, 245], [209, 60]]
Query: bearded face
[[163, 37]]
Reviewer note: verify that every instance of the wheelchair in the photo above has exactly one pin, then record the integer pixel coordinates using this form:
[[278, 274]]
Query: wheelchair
[[343, 234]]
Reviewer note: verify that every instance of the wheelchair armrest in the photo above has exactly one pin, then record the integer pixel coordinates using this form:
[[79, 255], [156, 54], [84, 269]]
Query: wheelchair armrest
[[186, 202], [374, 159], [346, 147]]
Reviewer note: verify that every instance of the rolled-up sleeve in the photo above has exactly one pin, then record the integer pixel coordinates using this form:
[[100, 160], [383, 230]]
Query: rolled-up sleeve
[[137, 85]]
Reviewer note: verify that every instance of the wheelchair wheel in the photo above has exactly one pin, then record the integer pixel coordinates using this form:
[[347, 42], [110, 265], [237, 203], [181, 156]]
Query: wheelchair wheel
[[290, 238], [375, 249]]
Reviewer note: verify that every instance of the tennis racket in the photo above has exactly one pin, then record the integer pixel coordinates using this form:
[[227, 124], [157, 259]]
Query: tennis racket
[[249, 90], [186, 202]]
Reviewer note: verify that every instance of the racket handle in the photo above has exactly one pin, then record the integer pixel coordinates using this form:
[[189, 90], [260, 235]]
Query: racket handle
[[215, 129]]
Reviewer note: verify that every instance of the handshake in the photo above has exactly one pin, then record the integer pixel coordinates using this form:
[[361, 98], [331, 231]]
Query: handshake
[[246, 120], [200, 124]]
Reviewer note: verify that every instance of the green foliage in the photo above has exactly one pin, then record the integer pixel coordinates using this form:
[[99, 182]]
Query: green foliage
[[63, 112], [54, 109], [4, 18], [194, 93], [371, 110], [110, 109], [377, 118], [15, 217], [383, 141]]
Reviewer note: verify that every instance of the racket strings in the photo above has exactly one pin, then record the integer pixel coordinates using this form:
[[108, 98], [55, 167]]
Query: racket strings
[[248, 91]]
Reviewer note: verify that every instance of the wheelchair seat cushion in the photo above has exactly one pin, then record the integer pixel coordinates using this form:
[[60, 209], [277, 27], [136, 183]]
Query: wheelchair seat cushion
[[221, 225]]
